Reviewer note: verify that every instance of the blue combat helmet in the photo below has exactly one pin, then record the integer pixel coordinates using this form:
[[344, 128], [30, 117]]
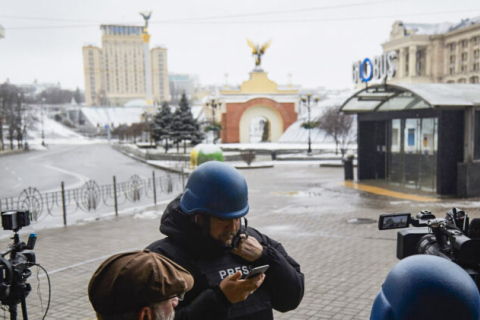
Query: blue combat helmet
[[427, 287], [216, 189]]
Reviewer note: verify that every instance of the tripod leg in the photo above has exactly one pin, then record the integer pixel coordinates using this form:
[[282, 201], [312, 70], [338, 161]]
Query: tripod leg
[[24, 308], [13, 311]]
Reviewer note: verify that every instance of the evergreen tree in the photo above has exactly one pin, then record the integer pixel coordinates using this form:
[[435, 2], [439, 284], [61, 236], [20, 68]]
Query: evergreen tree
[[161, 125], [184, 127]]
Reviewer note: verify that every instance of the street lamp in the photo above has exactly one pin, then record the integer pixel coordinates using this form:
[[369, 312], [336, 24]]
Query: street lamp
[[43, 129], [213, 104], [306, 101]]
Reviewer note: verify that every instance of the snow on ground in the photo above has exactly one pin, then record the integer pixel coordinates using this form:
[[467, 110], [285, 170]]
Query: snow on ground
[[55, 133], [296, 134], [117, 116]]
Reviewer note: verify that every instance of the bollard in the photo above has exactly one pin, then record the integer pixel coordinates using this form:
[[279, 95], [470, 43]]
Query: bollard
[[348, 167], [154, 189], [115, 195], [274, 155], [63, 205]]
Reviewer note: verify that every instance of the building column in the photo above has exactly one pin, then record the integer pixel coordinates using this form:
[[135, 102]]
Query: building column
[[412, 61], [458, 59], [401, 62], [428, 63]]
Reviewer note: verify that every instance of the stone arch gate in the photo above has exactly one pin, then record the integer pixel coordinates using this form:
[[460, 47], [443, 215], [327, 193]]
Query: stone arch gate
[[257, 97]]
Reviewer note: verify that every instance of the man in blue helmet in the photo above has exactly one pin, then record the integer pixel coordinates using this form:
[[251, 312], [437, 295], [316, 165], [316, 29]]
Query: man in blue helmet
[[423, 287], [205, 236]]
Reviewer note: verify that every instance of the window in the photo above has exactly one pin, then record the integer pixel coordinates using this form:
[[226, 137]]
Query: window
[[462, 80], [464, 56], [476, 54], [452, 71], [452, 59], [464, 68], [476, 67], [464, 44], [452, 47], [474, 80], [475, 40]]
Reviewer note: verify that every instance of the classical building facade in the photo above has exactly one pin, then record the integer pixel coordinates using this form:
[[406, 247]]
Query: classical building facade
[[115, 73], [436, 53]]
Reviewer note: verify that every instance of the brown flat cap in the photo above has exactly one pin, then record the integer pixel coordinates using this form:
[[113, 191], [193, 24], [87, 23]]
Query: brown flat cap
[[127, 282]]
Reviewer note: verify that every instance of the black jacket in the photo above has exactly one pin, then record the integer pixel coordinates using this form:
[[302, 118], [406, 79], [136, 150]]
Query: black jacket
[[209, 263]]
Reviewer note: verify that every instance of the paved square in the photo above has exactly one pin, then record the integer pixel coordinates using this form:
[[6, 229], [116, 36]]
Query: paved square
[[303, 206]]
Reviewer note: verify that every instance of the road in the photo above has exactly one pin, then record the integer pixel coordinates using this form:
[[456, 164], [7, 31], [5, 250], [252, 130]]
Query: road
[[72, 164]]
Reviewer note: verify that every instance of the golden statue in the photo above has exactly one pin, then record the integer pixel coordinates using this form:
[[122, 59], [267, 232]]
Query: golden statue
[[258, 51]]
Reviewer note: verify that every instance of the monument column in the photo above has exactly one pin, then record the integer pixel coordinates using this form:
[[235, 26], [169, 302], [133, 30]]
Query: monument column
[[147, 65]]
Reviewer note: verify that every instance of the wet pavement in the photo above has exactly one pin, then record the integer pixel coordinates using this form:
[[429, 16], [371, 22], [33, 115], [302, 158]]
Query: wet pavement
[[303, 206]]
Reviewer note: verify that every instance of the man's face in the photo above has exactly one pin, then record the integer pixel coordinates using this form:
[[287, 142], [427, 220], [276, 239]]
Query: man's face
[[167, 309], [224, 230]]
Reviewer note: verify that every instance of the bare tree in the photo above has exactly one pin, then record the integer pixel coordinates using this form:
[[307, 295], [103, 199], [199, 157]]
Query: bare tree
[[339, 126]]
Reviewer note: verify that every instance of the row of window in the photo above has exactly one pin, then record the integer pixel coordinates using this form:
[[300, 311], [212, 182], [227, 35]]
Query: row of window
[[476, 55], [474, 79], [464, 43], [464, 68]]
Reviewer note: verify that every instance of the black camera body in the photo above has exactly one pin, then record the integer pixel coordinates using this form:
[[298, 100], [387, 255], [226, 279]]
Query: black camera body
[[15, 220], [444, 237], [15, 270]]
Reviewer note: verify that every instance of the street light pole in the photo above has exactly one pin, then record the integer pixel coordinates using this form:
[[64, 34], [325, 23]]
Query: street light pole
[[306, 101], [43, 129], [214, 104]]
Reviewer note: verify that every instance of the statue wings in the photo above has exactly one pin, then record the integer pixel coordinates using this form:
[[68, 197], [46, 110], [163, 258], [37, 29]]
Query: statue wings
[[256, 49]]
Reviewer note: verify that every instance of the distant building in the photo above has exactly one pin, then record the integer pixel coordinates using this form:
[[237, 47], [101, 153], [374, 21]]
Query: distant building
[[436, 53], [182, 83], [115, 73], [35, 88]]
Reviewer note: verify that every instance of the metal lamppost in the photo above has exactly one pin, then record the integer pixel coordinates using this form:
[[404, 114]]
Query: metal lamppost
[[213, 104], [306, 101], [43, 128]]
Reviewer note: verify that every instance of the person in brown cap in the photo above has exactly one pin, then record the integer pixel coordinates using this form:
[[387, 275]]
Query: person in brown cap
[[138, 285]]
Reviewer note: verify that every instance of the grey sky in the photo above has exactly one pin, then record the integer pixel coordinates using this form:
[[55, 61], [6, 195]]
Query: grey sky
[[317, 46]]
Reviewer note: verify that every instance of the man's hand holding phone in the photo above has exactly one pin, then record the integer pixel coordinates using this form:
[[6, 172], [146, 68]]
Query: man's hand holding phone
[[237, 289]]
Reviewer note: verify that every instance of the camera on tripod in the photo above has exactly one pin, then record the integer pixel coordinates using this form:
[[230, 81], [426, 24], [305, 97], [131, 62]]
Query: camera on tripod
[[14, 271], [452, 237]]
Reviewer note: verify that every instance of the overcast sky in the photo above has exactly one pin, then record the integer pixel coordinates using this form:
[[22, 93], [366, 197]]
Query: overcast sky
[[315, 41]]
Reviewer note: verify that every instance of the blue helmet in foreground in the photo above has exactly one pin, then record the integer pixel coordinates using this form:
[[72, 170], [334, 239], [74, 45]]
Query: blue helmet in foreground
[[216, 189], [427, 287]]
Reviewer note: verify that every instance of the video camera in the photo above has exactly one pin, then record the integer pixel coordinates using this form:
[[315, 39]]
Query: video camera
[[443, 237], [15, 270]]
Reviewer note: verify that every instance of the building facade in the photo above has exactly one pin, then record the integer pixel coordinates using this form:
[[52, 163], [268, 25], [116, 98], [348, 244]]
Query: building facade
[[257, 99], [436, 53], [180, 84], [115, 73]]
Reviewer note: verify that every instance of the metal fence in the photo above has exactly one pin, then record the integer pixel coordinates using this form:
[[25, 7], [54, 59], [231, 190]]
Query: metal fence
[[91, 196]]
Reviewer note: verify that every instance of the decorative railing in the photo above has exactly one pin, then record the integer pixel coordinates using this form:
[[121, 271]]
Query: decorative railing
[[91, 196]]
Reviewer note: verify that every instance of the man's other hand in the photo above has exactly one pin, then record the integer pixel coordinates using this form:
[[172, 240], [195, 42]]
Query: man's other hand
[[237, 290], [248, 248]]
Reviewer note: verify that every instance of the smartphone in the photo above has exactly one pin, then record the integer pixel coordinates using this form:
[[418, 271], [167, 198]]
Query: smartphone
[[256, 271]]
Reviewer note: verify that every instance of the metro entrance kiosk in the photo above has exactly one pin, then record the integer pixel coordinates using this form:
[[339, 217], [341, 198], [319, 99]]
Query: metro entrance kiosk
[[421, 136]]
